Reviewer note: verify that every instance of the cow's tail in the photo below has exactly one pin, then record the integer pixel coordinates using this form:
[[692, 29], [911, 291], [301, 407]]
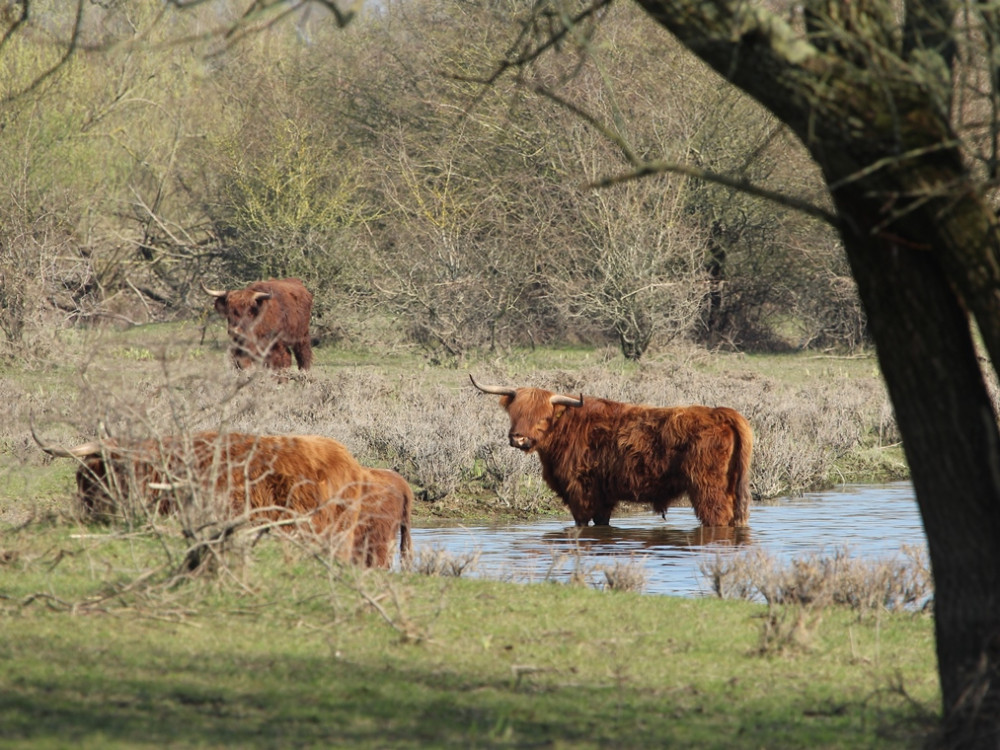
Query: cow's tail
[[739, 470], [405, 543]]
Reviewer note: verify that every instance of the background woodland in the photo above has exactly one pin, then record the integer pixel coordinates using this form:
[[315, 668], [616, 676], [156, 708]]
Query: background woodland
[[423, 207]]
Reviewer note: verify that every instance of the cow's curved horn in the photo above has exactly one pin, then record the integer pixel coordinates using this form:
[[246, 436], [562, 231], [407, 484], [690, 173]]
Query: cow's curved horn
[[558, 400], [213, 292], [496, 390], [164, 485], [261, 295], [81, 451]]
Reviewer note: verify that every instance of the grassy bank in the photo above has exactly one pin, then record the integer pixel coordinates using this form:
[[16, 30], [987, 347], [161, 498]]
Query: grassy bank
[[103, 647]]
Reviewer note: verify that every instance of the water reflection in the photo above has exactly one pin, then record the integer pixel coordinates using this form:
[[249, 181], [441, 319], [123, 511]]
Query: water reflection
[[611, 540], [872, 521]]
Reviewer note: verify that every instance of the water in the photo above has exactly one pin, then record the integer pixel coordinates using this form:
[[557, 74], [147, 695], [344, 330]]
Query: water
[[871, 521]]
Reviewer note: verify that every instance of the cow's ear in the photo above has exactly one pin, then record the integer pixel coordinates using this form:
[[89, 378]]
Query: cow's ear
[[221, 303], [505, 401]]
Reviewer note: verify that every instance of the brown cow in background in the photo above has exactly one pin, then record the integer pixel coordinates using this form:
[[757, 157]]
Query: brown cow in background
[[596, 453], [301, 478], [266, 320]]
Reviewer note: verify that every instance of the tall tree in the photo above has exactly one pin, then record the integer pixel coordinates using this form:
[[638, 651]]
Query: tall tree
[[870, 89]]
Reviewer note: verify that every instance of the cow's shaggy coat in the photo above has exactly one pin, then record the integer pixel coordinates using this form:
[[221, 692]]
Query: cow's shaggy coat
[[268, 321], [308, 480], [596, 453]]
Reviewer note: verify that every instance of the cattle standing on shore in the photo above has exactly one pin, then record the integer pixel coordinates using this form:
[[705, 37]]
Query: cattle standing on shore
[[302, 479], [267, 322], [388, 506], [596, 453]]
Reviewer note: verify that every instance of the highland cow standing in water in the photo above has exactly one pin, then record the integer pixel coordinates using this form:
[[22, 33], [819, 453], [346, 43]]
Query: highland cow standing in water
[[267, 322], [597, 453]]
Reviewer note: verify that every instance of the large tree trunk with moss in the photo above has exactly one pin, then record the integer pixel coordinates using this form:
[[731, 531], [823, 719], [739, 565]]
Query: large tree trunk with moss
[[929, 362], [872, 106]]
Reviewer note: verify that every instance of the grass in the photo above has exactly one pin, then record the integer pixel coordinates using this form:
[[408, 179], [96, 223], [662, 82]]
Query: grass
[[107, 643], [297, 654]]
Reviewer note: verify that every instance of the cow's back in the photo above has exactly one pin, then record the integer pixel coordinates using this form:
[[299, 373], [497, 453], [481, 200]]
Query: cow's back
[[291, 295]]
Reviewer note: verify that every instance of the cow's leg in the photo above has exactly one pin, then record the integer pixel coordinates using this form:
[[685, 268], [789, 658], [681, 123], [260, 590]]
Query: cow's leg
[[602, 518], [279, 356], [712, 504], [581, 515], [705, 470], [242, 359], [303, 354]]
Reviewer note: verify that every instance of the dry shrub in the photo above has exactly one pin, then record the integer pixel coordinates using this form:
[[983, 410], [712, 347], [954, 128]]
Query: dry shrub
[[625, 575], [789, 629], [435, 561], [798, 592], [821, 580]]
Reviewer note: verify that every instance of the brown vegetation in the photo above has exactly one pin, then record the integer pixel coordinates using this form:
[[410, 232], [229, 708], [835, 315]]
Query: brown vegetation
[[353, 164]]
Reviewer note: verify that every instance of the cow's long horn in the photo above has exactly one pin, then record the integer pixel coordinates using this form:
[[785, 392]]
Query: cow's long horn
[[213, 292], [261, 295], [81, 451], [558, 400], [165, 485], [496, 390]]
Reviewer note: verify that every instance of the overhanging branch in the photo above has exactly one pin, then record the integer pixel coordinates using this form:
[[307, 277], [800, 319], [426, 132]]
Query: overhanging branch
[[660, 166]]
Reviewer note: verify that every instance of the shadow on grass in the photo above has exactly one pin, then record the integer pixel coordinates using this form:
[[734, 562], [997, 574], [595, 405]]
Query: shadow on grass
[[326, 701]]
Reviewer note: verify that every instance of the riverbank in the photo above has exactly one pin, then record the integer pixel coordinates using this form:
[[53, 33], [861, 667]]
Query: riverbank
[[105, 648]]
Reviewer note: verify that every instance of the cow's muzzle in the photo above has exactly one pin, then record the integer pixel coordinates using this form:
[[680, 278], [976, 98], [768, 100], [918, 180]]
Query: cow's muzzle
[[520, 442]]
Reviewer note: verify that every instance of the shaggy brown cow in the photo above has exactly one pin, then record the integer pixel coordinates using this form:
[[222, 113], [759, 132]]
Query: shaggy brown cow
[[596, 453], [269, 477], [388, 504], [267, 319]]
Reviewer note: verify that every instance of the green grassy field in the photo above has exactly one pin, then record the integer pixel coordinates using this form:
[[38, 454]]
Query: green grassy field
[[102, 647]]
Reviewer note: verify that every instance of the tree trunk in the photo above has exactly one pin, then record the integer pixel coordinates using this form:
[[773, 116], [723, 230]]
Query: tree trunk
[[925, 252], [926, 353]]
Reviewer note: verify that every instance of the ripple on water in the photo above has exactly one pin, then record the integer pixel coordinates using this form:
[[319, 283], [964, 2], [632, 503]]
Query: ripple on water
[[871, 521]]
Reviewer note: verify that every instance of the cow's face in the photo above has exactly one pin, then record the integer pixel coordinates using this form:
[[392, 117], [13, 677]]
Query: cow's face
[[532, 413], [242, 310]]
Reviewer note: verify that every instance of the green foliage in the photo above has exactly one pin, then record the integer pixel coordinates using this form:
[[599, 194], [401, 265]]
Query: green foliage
[[289, 197]]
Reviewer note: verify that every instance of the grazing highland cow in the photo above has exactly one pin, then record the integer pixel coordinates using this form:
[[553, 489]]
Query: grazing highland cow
[[306, 479], [266, 320], [388, 504], [596, 453]]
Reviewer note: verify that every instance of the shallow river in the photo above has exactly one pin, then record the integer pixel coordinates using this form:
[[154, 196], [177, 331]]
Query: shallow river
[[870, 521]]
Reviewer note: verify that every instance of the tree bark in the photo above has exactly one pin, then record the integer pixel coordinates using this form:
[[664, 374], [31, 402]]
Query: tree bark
[[925, 251]]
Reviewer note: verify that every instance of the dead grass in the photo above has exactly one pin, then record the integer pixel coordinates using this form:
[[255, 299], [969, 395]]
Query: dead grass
[[893, 584], [800, 592]]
